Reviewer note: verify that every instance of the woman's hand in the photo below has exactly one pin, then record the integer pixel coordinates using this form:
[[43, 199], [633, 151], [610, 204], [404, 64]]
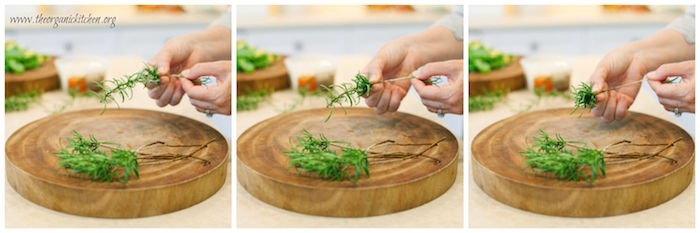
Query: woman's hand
[[675, 95], [628, 64], [401, 57], [216, 99], [617, 68], [393, 61], [448, 98], [183, 52]]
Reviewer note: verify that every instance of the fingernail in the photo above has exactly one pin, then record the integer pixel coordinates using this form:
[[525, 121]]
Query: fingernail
[[416, 73], [186, 72], [651, 74]]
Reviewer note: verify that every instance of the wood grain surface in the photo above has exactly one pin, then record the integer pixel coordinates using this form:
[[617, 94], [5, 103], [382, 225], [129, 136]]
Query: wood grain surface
[[499, 169], [264, 172], [510, 78], [43, 78], [33, 169], [274, 77]]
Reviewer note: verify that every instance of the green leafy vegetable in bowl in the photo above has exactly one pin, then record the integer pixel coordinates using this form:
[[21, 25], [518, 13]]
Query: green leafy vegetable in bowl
[[249, 59], [483, 59], [18, 59]]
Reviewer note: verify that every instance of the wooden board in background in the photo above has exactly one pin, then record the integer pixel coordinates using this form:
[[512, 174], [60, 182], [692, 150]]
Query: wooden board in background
[[44, 78], [499, 169], [33, 170], [274, 77], [510, 78], [263, 168]]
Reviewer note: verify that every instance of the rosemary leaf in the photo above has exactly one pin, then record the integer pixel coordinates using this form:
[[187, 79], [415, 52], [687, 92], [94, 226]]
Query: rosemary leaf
[[583, 96], [349, 93], [123, 88]]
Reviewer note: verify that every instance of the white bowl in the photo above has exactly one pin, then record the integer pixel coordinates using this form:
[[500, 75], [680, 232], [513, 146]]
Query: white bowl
[[92, 68], [321, 67], [556, 67]]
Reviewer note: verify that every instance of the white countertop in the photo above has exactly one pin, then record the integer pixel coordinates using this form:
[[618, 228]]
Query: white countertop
[[213, 212], [445, 211], [484, 211]]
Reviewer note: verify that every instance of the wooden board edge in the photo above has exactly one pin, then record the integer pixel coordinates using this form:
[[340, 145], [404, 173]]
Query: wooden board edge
[[71, 200], [344, 204], [655, 193]]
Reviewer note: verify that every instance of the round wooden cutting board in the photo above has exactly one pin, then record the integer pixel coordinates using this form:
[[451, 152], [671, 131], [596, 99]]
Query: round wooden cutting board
[[274, 77], [633, 185], [43, 78], [511, 77], [33, 169], [263, 168]]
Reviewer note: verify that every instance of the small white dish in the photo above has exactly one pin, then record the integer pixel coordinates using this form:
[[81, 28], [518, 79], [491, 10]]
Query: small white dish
[[320, 67], [556, 68], [91, 68]]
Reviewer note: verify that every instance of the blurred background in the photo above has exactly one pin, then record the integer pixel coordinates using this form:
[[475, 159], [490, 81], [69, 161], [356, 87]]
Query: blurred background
[[575, 30], [140, 29], [353, 29]]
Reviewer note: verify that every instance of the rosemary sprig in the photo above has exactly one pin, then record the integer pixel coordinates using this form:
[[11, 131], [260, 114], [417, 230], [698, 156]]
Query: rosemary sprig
[[252, 99], [315, 155], [583, 96], [84, 155], [338, 160], [550, 154], [124, 87], [349, 93], [21, 101], [486, 101]]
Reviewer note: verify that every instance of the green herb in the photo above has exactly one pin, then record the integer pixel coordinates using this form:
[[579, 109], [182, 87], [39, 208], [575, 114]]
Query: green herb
[[483, 59], [584, 97], [550, 154], [252, 99], [18, 59], [486, 101], [85, 155], [249, 59], [553, 154], [123, 87], [21, 101], [350, 93], [338, 160]]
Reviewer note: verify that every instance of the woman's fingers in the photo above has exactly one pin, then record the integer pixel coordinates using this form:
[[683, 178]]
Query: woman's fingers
[[166, 95]]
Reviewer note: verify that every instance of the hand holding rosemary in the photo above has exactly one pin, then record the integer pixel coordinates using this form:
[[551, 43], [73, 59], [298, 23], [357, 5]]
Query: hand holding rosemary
[[85, 155], [123, 88], [351, 93], [339, 160], [584, 97], [552, 154]]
